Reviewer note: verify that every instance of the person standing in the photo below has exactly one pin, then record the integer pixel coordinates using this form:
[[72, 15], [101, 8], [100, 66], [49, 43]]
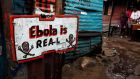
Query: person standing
[[123, 24], [135, 15], [129, 12]]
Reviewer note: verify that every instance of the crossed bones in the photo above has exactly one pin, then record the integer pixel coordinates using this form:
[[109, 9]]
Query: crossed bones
[[25, 49], [71, 40]]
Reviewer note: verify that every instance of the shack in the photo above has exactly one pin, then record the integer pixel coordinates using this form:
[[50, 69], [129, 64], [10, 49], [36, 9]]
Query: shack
[[89, 33]]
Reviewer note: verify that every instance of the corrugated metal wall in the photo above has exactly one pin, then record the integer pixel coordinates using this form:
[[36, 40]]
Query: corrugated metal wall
[[85, 46], [90, 19], [89, 11]]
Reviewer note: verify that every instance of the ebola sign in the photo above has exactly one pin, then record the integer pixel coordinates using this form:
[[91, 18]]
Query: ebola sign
[[33, 36]]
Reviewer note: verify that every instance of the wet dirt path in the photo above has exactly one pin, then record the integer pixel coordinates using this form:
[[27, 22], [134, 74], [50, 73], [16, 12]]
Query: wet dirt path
[[128, 63], [120, 60]]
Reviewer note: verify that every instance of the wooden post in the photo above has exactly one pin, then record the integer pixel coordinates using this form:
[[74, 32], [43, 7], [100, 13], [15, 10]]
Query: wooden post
[[51, 66], [54, 61], [2, 43], [59, 7], [5, 38], [110, 20], [36, 69]]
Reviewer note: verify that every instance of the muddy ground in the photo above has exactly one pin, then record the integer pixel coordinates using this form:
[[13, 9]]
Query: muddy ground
[[120, 60]]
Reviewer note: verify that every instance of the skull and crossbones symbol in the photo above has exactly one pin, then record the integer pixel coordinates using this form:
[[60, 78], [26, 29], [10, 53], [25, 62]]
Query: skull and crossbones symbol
[[26, 49], [70, 40]]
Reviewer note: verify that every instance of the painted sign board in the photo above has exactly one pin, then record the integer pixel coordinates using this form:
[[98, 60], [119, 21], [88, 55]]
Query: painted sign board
[[33, 36]]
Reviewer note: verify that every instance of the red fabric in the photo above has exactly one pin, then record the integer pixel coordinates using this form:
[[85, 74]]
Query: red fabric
[[44, 5], [129, 12], [49, 1]]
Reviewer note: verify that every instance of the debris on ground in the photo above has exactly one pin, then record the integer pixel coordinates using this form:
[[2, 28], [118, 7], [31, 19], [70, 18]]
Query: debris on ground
[[120, 59], [86, 62]]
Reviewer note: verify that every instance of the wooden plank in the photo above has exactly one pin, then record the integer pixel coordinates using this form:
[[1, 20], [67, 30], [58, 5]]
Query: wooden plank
[[36, 70], [4, 19], [54, 65]]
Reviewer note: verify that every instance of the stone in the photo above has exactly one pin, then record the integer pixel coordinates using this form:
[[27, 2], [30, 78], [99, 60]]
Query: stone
[[131, 77], [66, 68], [87, 61], [108, 52], [137, 77], [83, 63], [137, 70], [22, 73], [130, 71], [115, 59]]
